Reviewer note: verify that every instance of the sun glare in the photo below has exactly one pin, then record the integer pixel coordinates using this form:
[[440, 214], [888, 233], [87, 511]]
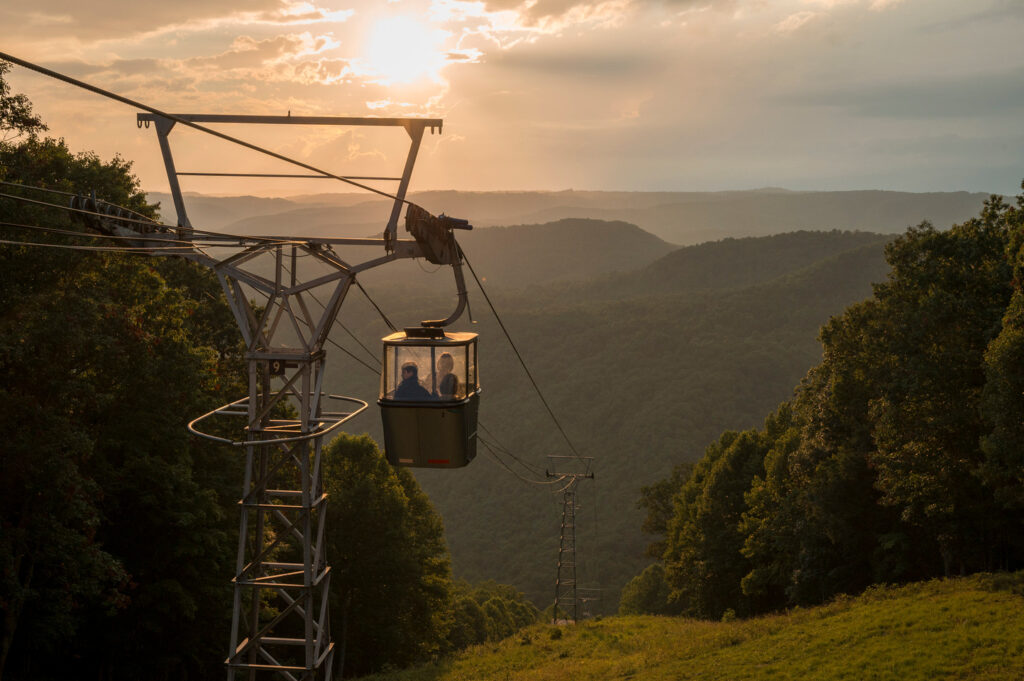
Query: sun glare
[[402, 50]]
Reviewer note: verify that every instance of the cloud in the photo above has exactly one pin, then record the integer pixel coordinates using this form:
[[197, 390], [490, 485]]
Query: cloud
[[972, 96], [111, 26], [542, 16], [795, 22], [556, 93], [249, 54], [881, 5]]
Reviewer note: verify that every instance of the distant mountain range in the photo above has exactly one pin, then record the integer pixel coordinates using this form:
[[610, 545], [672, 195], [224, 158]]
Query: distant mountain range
[[645, 351], [643, 368], [682, 218]]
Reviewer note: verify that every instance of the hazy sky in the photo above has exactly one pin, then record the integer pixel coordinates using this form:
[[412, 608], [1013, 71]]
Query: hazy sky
[[920, 95]]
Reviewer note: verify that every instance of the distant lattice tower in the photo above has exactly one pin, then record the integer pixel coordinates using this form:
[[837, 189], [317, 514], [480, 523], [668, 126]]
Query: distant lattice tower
[[566, 607], [565, 581]]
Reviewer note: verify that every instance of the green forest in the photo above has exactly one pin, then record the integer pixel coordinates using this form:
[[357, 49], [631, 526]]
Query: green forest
[[897, 459]]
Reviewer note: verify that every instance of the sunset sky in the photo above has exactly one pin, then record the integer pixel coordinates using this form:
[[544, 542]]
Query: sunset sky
[[918, 95]]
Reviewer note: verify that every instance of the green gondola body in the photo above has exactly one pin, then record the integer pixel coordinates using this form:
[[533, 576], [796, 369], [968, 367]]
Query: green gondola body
[[429, 398]]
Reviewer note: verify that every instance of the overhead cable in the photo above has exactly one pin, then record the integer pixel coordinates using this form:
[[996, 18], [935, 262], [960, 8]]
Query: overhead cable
[[376, 307], [205, 235], [186, 122], [504, 465], [105, 249], [520, 357]]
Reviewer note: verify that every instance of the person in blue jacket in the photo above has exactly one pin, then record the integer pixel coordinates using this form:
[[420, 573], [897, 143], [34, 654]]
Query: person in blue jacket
[[410, 388]]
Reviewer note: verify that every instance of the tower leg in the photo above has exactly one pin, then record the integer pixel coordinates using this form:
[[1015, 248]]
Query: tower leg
[[565, 582], [281, 579]]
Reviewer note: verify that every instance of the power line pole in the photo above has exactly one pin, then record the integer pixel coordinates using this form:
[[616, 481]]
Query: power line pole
[[566, 601]]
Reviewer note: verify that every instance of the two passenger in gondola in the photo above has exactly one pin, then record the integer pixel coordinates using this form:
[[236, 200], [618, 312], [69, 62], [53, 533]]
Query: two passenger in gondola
[[411, 389]]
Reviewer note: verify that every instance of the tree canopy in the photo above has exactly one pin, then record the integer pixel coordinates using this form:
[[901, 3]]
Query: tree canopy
[[898, 457]]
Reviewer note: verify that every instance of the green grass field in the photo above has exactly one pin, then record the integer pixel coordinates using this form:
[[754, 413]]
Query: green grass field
[[968, 628]]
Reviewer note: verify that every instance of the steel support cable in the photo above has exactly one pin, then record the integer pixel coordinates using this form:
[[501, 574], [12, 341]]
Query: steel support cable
[[312, 295], [504, 465], [520, 357], [38, 189], [64, 193], [186, 122], [515, 458], [71, 232], [152, 223], [367, 350], [149, 222], [103, 249], [91, 235], [376, 307], [352, 355], [528, 466]]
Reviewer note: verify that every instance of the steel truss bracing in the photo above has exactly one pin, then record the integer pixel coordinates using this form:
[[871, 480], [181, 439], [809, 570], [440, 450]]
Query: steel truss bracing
[[279, 619], [280, 624]]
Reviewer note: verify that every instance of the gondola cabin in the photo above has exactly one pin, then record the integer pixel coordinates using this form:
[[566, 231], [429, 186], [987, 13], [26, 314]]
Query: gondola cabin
[[429, 398]]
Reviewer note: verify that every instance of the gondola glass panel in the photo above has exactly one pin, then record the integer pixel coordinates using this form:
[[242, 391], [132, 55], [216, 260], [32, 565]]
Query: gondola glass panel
[[429, 398]]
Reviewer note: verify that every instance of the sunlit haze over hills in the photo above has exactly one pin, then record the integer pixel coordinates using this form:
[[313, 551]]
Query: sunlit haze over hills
[[637, 95]]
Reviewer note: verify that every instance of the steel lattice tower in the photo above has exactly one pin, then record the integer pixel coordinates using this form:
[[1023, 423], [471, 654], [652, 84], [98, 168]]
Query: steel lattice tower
[[280, 624], [565, 581], [566, 601]]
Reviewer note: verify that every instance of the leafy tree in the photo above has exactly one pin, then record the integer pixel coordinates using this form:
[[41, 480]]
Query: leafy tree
[[487, 612], [469, 626], [16, 116], [703, 563], [111, 534], [656, 499], [1003, 396], [391, 597], [647, 593], [943, 304]]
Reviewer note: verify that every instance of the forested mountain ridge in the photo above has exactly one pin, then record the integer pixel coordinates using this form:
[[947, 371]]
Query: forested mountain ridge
[[728, 263], [897, 459], [683, 218], [639, 382], [570, 249]]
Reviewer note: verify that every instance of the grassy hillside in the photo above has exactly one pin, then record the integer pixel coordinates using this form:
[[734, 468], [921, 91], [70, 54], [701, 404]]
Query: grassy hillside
[[965, 628]]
